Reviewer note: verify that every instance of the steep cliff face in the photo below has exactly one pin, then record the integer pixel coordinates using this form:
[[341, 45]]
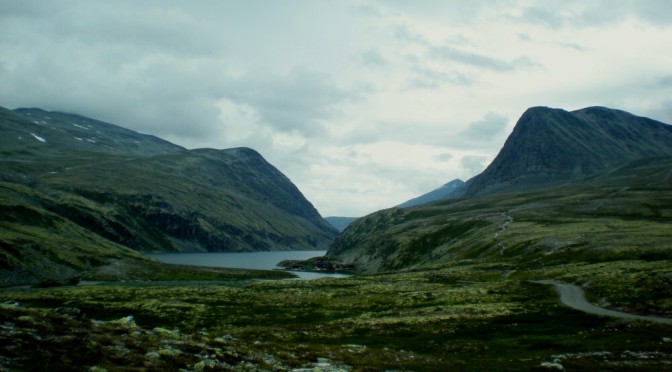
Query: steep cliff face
[[550, 147]]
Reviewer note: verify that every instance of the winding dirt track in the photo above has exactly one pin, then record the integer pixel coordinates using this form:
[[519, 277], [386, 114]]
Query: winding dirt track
[[572, 296]]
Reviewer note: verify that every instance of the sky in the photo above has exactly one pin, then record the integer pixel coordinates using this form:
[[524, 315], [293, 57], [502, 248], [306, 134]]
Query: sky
[[363, 104]]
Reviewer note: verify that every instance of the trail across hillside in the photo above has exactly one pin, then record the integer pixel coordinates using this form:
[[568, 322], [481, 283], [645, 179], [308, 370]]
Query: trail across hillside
[[573, 296]]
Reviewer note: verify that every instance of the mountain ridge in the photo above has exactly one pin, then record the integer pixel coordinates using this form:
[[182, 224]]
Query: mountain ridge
[[547, 197], [443, 192], [553, 146], [74, 176]]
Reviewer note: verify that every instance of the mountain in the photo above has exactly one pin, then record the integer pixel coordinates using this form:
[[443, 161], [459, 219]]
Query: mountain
[[592, 185], [29, 128], [551, 147], [444, 192], [73, 187], [340, 223]]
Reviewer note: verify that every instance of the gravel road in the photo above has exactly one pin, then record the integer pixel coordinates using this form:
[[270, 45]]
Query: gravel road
[[573, 296]]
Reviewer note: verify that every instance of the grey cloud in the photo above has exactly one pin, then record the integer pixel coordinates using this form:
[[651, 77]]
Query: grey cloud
[[656, 12], [424, 77], [661, 111], [443, 157], [474, 164], [665, 81], [296, 102], [597, 13], [12, 9], [479, 60], [486, 128], [541, 14], [427, 78], [455, 12], [563, 44], [165, 65], [374, 59], [404, 34]]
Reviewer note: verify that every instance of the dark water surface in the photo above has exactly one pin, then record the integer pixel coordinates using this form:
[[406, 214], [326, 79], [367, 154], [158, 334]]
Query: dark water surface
[[247, 260]]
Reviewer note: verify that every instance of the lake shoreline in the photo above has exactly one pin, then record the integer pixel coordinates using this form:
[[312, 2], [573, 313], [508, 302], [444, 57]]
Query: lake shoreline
[[267, 260]]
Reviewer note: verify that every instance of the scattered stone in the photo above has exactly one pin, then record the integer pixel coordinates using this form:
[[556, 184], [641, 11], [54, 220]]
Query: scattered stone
[[354, 348], [170, 352], [205, 363], [225, 338], [667, 339], [9, 305], [642, 354], [97, 369], [26, 318], [553, 365], [167, 333], [322, 365], [9, 326], [126, 322], [152, 359], [71, 311]]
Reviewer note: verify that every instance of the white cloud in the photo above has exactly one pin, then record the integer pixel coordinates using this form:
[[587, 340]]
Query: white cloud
[[362, 103]]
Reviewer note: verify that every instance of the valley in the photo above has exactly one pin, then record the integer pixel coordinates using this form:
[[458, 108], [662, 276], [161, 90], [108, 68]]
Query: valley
[[557, 262]]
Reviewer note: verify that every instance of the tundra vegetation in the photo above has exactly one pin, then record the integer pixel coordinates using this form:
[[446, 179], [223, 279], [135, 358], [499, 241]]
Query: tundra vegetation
[[447, 285], [466, 316], [458, 293]]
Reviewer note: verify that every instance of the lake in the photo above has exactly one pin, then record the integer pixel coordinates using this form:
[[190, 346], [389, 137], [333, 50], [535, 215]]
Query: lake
[[247, 260]]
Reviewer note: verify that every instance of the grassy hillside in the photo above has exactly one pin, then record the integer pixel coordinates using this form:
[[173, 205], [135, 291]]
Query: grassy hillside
[[40, 246], [550, 147], [622, 214], [77, 193]]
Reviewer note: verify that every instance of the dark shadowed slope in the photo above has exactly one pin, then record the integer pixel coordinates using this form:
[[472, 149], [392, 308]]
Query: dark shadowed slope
[[551, 147]]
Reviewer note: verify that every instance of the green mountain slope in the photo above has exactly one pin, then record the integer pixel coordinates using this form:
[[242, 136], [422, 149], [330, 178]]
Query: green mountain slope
[[552, 147], [623, 214], [71, 202], [199, 200], [593, 185]]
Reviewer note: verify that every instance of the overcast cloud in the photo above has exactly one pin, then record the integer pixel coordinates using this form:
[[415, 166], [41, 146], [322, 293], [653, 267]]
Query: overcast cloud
[[363, 104]]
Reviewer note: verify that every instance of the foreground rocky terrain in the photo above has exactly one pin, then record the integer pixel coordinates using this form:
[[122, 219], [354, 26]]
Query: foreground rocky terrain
[[463, 316]]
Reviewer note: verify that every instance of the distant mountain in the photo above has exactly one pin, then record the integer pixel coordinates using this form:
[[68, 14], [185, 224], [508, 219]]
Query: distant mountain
[[32, 127], [443, 192], [550, 147], [111, 191], [591, 185], [340, 223]]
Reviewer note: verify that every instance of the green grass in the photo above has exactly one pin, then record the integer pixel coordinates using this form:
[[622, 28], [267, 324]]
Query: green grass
[[625, 216], [469, 317]]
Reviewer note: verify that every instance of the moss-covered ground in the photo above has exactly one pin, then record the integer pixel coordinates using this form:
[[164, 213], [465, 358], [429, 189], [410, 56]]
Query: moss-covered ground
[[475, 316]]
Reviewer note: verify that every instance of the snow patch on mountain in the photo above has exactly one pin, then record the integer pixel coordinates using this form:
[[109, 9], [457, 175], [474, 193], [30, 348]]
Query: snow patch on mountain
[[41, 139]]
